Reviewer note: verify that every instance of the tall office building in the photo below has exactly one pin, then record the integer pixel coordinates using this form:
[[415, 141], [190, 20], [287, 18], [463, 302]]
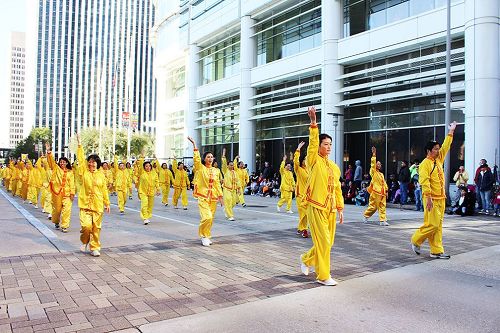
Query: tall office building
[[17, 88], [375, 69], [94, 63]]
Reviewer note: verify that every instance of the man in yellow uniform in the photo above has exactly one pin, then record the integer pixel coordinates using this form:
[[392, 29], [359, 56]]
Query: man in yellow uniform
[[120, 184], [287, 186], [324, 201], [207, 190], [431, 178], [130, 179], [62, 186], [243, 177], [231, 186], [378, 191], [35, 182], [93, 199], [46, 200], [301, 172], [181, 184], [166, 178]]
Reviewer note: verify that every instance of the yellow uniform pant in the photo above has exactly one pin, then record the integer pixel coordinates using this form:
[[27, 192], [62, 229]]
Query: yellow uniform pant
[[19, 186], [165, 191], [122, 199], [90, 222], [432, 229], [6, 183], [130, 190], [207, 213], [322, 225], [61, 210], [286, 196], [180, 192], [376, 202], [13, 186], [34, 194], [241, 197], [47, 200], [147, 203], [302, 208], [24, 191], [230, 198]]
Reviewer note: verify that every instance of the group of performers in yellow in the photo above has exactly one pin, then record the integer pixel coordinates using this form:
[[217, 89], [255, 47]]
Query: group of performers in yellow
[[317, 190]]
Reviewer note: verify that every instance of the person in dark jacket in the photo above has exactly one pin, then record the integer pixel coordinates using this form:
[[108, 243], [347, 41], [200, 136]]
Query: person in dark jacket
[[267, 172], [478, 194], [404, 181], [358, 174], [485, 184]]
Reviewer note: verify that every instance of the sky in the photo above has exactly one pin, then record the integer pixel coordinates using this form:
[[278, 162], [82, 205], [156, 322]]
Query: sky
[[12, 18]]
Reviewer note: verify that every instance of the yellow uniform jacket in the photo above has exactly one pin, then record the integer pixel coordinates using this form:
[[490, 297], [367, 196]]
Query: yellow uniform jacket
[[148, 183], [231, 179], [93, 194], [121, 177], [287, 181], [301, 174], [323, 185], [377, 184], [206, 185], [242, 175], [165, 177], [431, 174], [61, 182], [35, 176], [181, 179]]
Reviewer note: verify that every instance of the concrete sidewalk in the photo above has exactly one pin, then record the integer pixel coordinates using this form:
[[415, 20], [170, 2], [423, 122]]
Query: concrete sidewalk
[[459, 295]]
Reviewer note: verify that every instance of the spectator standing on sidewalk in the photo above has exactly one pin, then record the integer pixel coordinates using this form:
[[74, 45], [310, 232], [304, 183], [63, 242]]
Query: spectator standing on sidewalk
[[485, 184], [460, 178], [358, 175], [404, 180], [478, 195], [432, 180]]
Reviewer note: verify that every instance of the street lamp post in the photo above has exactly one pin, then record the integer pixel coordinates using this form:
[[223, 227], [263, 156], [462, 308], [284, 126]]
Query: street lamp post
[[232, 141], [335, 124]]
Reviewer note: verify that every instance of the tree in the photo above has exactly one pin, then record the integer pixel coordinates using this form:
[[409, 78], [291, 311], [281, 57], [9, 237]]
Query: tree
[[27, 145]]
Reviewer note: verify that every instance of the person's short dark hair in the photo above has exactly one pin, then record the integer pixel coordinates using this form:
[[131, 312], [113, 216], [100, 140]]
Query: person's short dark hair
[[206, 153], [429, 145], [164, 164], [324, 136], [96, 158], [180, 163], [147, 162], [405, 162], [416, 161], [68, 165], [301, 159], [128, 164]]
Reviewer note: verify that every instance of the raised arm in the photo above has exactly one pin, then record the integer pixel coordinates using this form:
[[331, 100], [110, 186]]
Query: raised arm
[[445, 147], [373, 162], [312, 149], [80, 156], [224, 161], [50, 158], [282, 165], [196, 155]]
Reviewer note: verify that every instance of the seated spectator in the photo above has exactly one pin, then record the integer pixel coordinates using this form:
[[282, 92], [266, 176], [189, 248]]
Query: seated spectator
[[397, 196], [363, 196], [465, 204], [366, 180], [496, 201], [393, 187], [351, 193]]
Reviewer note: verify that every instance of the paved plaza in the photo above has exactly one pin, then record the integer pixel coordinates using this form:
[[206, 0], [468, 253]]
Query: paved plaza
[[150, 274]]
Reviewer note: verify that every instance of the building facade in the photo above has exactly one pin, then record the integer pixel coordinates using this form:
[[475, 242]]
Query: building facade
[[375, 70], [17, 88], [94, 66]]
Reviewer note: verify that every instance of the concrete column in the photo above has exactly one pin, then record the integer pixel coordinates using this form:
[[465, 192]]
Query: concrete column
[[190, 115], [482, 82], [161, 149], [331, 32], [248, 53]]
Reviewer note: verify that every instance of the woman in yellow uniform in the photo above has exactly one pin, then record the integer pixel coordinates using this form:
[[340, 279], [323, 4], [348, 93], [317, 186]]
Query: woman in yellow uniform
[[109, 176], [324, 200], [287, 186], [121, 184], [181, 185], [130, 171], [148, 187], [230, 186], [431, 178], [378, 191], [93, 199], [62, 187], [7, 174], [207, 190], [14, 177], [243, 177], [165, 177], [28, 167], [22, 181], [46, 200], [35, 182], [301, 172]]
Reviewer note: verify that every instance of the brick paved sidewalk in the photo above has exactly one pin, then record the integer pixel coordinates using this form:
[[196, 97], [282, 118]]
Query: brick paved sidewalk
[[130, 286]]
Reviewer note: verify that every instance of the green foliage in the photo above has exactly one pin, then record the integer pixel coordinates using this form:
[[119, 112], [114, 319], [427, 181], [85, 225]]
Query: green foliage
[[27, 145]]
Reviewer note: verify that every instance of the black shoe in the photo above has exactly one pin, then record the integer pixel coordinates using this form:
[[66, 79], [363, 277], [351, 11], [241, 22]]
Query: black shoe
[[440, 256], [56, 225], [244, 205]]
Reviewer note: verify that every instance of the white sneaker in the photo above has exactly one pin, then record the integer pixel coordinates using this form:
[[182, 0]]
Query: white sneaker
[[146, 222], [278, 209], [328, 282], [205, 241], [36, 206], [289, 212], [230, 218], [95, 253], [49, 217], [365, 219], [84, 248], [384, 223], [304, 268]]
